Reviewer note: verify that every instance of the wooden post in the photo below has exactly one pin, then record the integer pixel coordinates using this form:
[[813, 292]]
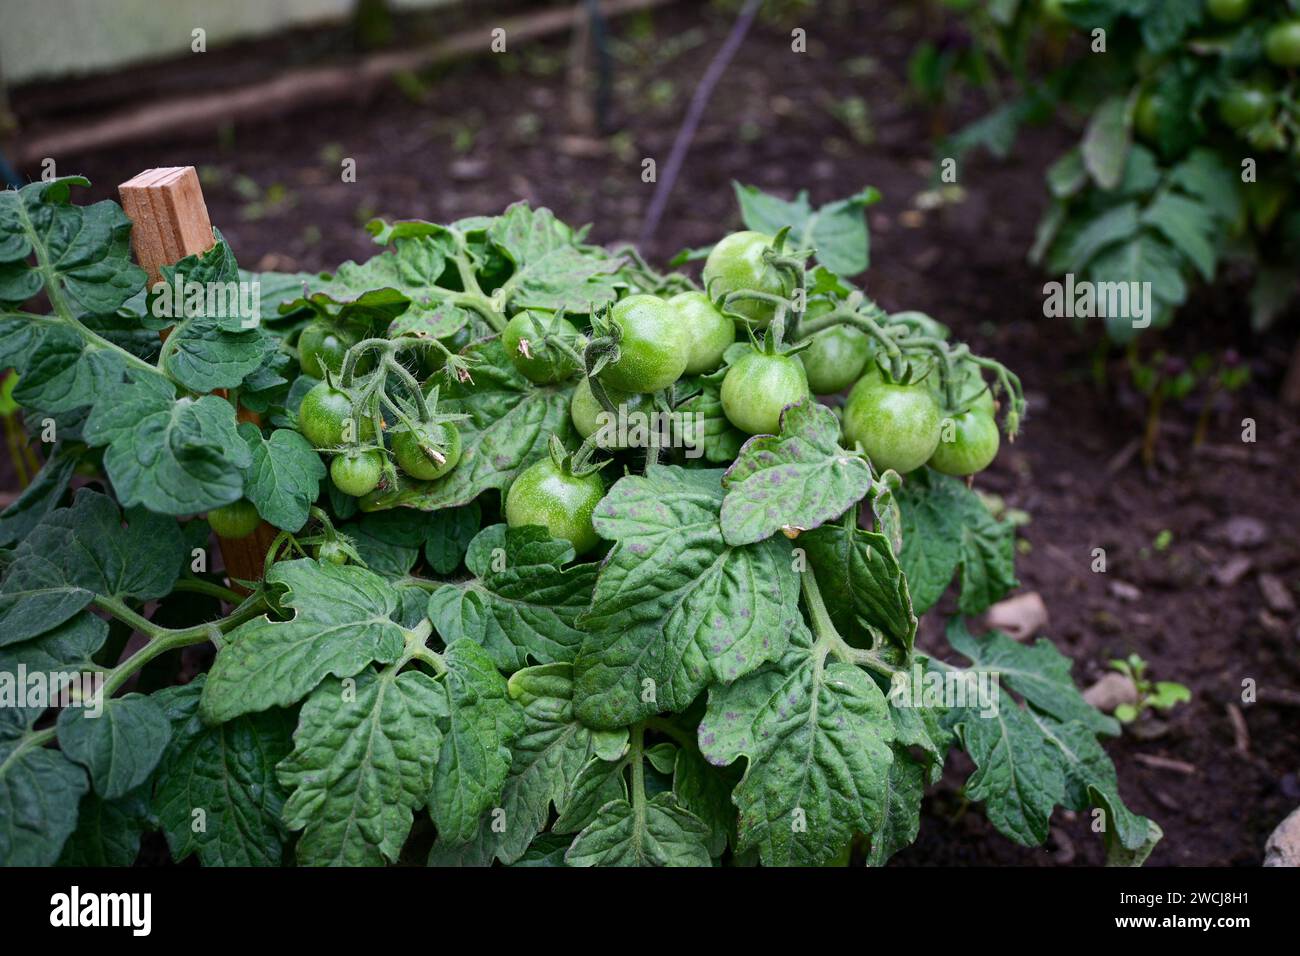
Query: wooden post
[[169, 221]]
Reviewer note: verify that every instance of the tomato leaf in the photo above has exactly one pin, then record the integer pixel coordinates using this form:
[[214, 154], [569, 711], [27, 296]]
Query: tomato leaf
[[173, 456], [675, 607], [797, 480], [663, 834], [947, 529], [39, 791], [343, 622], [227, 772], [80, 552], [283, 477], [362, 763], [108, 831], [475, 756], [838, 230], [120, 746], [522, 602], [816, 736]]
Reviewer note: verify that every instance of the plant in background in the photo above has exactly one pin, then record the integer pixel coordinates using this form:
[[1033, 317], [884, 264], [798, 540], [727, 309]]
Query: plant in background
[[1158, 695], [1190, 157], [1164, 377], [555, 641]]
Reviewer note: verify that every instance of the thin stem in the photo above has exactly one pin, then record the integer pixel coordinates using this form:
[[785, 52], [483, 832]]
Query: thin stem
[[210, 588], [636, 756]]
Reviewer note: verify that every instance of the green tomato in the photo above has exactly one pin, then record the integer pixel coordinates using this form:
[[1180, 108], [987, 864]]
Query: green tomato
[[324, 414], [835, 358], [1244, 105], [331, 552], [758, 387], [1227, 11], [737, 263], [1282, 44], [321, 346], [971, 391], [542, 365], [967, 445], [1054, 11], [356, 473], [408, 447], [653, 348], [546, 494], [897, 425], [709, 331], [238, 519], [1148, 116], [587, 413]]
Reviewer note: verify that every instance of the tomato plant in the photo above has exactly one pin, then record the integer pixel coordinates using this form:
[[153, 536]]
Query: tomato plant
[[1189, 161], [483, 614]]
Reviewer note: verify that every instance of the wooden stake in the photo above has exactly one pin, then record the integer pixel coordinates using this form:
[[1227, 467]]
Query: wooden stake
[[169, 221]]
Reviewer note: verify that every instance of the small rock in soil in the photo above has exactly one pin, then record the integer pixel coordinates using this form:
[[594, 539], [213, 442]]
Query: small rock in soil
[[1125, 591], [1241, 531], [1276, 594], [1231, 571], [1111, 691], [1283, 846], [1021, 616]]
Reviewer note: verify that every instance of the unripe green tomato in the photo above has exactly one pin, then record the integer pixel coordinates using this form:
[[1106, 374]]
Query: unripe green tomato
[[1147, 116], [653, 347], [331, 552], [546, 494], [972, 448], [709, 331], [238, 519], [1054, 11], [1243, 106], [758, 387], [835, 358], [587, 413], [1227, 11], [897, 425], [324, 414], [408, 448], [356, 473], [1282, 44], [737, 263], [543, 364], [322, 346]]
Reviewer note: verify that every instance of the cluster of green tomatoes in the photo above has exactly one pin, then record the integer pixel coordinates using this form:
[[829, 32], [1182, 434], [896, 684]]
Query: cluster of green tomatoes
[[1248, 100], [915, 399]]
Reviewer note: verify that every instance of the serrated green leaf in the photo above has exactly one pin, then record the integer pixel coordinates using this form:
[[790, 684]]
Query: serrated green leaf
[[362, 763], [796, 480], [817, 737], [342, 623], [1018, 774], [522, 602], [84, 249], [82, 551], [838, 230], [39, 793], [475, 757], [664, 834], [283, 479], [1038, 672], [675, 608], [552, 269], [217, 793], [946, 528], [1189, 225], [39, 498], [900, 820], [120, 746], [174, 456], [705, 791], [108, 831]]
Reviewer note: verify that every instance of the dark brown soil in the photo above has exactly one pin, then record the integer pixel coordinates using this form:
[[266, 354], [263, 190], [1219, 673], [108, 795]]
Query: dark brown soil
[[488, 132]]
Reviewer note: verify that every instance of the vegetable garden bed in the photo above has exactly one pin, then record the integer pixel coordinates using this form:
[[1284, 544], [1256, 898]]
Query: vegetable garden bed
[[1218, 812]]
